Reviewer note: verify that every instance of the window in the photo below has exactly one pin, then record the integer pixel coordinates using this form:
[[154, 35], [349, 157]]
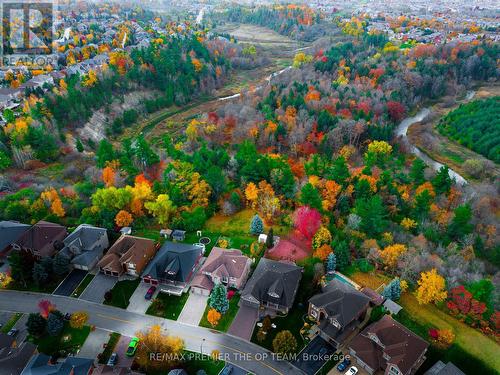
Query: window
[[393, 370], [224, 280]]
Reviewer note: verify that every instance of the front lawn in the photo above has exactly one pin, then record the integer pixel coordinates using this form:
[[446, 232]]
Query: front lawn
[[110, 346], [226, 319], [121, 293], [81, 287], [11, 322], [167, 306], [69, 341], [47, 287]]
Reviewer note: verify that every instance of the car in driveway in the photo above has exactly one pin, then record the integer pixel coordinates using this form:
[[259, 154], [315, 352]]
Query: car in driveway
[[227, 370], [352, 371], [132, 347], [13, 332], [343, 365], [113, 359], [150, 292]]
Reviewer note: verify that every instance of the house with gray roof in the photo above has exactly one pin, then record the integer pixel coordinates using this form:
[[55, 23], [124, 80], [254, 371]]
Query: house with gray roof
[[40, 365], [338, 310], [272, 286], [440, 368], [174, 266], [85, 246], [10, 231]]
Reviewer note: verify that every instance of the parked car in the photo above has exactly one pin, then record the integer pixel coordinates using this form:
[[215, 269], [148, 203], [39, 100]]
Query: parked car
[[352, 371], [150, 292], [343, 365], [113, 359], [132, 347], [227, 370], [67, 316], [13, 332]]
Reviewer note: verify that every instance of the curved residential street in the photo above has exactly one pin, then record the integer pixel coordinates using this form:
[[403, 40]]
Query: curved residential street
[[241, 353]]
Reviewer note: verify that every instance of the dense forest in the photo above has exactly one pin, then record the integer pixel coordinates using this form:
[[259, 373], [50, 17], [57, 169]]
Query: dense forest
[[475, 125]]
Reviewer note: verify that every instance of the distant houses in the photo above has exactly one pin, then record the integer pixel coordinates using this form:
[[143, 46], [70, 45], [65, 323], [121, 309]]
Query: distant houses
[[40, 364], [14, 357]]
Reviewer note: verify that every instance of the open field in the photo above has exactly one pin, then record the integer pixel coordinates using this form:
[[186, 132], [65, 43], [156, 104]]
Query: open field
[[425, 136], [257, 35]]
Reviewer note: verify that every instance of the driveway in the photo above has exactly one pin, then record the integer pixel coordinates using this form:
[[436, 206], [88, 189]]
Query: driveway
[[21, 326], [69, 284], [137, 302], [193, 309], [361, 370], [99, 285], [94, 343], [244, 322], [314, 356], [120, 349]]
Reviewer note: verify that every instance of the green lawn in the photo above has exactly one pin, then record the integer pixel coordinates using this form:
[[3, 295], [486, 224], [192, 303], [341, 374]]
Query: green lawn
[[68, 342], [110, 346], [191, 238], [81, 287], [11, 322], [472, 349], [167, 306], [121, 293], [226, 319], [48, 287], [193, 363]]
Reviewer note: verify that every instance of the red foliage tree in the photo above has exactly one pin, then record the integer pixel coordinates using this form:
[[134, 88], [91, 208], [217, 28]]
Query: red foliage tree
[[307, 221], [396, 110], [46, 307]]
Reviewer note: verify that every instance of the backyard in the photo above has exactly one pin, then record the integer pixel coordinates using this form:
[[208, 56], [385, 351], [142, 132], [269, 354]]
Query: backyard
[[226, 319], [121, 293], [167, 306]]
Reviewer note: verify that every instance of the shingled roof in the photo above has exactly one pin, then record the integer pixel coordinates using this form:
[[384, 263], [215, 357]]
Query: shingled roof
[[273, 282], [41, 238], [10, 231], [390, 338]]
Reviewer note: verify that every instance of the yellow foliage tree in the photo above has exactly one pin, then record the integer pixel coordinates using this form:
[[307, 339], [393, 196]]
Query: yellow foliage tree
[[321, 237], [108, 176], [431, 288], [213, 317], [123, 218], [380, 147], [155, 341], [322, 252], [408, 223], [78, 319], [252, 193], [391, 254]]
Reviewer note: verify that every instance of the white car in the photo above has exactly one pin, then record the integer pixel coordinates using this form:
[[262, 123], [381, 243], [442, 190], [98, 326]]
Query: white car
[[352, 371]]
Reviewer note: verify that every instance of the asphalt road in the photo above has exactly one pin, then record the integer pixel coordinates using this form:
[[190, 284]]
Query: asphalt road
[[232, 349]]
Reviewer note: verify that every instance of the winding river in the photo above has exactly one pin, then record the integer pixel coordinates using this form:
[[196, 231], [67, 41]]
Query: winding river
[[402, 130]]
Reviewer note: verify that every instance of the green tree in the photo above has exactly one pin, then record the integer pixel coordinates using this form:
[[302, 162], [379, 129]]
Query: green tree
[[270, 239], [79, 145], [460, 224], [331, 263], [256, 226], [309, 196], [442, 181], [194, 220], [21, 266], [235, 200], [339, 171], [343, 255], [40, 275], [161, 209], [285, 343], [5, 161], [61, 265], [145, 154], [417, 172], [218, 298], [55, 323], [373, 215], [104, 153], [422, 204], [36, 325]]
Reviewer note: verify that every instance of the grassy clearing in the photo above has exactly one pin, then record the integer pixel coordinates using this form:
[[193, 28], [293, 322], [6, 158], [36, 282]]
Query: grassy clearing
[[114, 337], [81, 287], [371, 280], [167, 306], [468, 341], [121, 293], [11, 322], [69, 341], [227, 318]]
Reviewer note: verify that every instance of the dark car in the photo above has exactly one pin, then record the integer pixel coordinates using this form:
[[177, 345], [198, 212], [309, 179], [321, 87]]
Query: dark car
[[150, 292], [13, 332], [67, 316], [343, 365], [227, 370], [113, 359]]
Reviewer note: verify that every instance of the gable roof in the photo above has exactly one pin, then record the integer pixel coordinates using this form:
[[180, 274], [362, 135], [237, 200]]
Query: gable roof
[[273, 281], [221, 263], [174, 261], [128, 249], [439, 368], [85, 244], [41, 237], [39, 365], [10, 231], [341, 301], [402, 346]]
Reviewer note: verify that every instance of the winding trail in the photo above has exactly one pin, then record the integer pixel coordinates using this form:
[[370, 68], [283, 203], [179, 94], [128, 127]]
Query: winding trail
[[402, 130]]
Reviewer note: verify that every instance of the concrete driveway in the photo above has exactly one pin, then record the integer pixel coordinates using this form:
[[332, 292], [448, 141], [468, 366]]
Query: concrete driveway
[[193, 309], [94, 343], [21, 326], [120, 349], [99, 285], [314, 356], [244, 322], [69, 284], [137, 302]]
